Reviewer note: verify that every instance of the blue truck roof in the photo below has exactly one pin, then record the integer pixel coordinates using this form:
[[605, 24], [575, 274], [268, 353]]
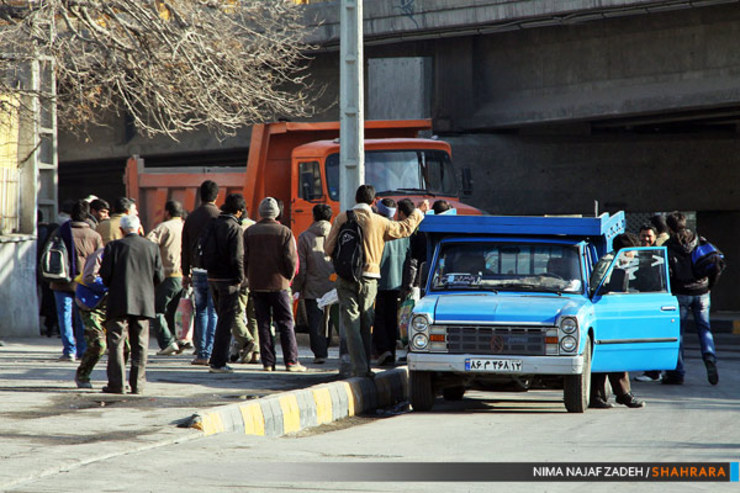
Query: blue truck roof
[[601, 230]]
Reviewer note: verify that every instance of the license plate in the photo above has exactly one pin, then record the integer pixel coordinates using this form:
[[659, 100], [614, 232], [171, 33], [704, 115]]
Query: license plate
[[493, 365]]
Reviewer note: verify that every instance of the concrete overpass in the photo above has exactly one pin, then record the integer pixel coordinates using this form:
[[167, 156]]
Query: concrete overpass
[[552, 104]]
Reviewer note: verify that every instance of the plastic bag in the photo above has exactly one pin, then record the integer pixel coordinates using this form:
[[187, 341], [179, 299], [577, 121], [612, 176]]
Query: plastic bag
[[405, 310], [329, 298], [184, 319]]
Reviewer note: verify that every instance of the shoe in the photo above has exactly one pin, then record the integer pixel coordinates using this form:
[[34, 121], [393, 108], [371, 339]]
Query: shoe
[[599, 403], [110, 390], [83, 384], [385, 359], [671, 380], [255, 358], [270, 368], [646, 378], [184, 346], [319, 361], [245, 355], [712, 374], [630, 400], [234, 351], [199, 362], [171, 349], [67, 357], [296, 367], [221, 369]]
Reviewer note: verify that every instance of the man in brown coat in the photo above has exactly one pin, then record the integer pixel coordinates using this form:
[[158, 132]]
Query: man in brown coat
[[270, 261], [81, 242]]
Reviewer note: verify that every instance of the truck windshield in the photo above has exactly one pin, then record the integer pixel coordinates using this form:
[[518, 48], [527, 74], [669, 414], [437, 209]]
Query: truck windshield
[[403, 170], [499, 266]]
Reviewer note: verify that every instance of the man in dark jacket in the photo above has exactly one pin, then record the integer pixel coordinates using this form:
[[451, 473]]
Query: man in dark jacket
[[223, 258], [693, 296], [270, 261], [131, 268], [193, 273]]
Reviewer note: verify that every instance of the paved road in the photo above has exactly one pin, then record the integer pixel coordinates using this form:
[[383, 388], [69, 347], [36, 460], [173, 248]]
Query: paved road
[[694, 422]]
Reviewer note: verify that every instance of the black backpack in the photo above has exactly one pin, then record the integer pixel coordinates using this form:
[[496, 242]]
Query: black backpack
[[206, 250], [349, 254], [54, 265], [707, 260]]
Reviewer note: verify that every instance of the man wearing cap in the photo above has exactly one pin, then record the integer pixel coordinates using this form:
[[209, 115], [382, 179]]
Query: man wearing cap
[[270, 261], [131, 268]]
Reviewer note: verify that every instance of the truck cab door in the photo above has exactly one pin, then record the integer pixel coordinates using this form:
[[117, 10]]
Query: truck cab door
[[637, 324], [306, 191]]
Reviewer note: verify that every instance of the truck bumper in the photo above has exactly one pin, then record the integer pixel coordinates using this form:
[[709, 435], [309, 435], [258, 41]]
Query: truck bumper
[[531, 365]]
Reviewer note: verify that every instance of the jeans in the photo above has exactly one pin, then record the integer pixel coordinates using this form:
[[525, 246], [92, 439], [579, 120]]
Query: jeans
[[205, 316], [357, 315], [699, 307], [70, 324]]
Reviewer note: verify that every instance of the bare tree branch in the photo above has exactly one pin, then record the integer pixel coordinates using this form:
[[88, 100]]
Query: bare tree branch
[[172, 65]]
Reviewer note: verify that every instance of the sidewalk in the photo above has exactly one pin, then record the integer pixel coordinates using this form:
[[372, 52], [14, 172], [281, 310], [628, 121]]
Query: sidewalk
[[48, 425]]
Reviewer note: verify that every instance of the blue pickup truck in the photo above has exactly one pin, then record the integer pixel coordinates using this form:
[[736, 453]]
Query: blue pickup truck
[[511, 299]]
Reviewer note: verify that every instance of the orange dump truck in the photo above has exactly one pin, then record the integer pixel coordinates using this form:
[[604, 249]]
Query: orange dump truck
[[298, 163]]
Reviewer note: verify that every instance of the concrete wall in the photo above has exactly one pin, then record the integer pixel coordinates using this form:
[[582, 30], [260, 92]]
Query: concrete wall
[[19, 310]]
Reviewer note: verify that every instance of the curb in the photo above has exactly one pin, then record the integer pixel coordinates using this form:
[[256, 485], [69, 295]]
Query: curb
[[297, 410]]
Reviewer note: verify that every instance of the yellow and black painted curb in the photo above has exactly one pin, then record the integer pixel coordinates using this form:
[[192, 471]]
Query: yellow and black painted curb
[[290, 412]]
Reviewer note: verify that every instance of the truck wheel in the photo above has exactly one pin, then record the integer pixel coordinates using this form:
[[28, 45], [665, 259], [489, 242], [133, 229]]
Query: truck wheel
[[422, 391], [453, 393], [577, 388]]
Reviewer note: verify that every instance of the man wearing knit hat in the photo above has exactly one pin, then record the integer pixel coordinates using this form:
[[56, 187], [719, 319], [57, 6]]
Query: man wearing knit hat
[[270, 261]]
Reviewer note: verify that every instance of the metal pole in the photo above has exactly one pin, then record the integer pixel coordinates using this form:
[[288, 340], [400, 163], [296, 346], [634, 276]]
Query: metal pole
[[351, 103]]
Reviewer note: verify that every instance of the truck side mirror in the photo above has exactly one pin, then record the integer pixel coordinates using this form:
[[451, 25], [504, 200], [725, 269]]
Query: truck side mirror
[[467, 182]]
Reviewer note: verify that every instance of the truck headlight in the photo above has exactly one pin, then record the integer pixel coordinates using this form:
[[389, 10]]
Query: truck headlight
[[419, 323], [420, 342], [568, 325], [568, 344]]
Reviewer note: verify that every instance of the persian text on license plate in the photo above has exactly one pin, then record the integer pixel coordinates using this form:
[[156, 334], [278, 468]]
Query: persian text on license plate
[[493, 365]]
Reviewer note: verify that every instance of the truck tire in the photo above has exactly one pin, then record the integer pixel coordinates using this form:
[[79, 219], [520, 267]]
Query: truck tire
[[577, 388], [455, 393], [422, 390]]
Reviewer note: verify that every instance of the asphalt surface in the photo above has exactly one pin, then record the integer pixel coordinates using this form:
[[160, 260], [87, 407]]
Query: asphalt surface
[[48, 425]]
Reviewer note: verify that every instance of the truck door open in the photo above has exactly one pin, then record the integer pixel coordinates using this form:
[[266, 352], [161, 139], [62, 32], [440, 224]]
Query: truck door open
[[637, 319]]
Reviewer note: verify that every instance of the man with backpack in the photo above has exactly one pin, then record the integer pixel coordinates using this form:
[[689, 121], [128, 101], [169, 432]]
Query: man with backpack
[[356, 242], [691, 283]]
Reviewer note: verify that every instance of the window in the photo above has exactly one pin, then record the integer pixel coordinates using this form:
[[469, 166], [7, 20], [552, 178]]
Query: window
[[636, 271], [310, 181]]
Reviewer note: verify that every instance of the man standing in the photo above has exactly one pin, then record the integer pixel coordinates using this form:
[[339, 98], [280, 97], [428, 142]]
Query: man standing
[[385, 330], [81, 241], [693, 296], [270, 260], [193, 272], [648, 237], [223, 257], [168, 237], [313, 279], [110, 228], [131, 268], [356, 299]]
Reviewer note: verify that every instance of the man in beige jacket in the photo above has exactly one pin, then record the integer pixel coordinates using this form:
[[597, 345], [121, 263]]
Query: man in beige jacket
[[168, 237], [356, 299]]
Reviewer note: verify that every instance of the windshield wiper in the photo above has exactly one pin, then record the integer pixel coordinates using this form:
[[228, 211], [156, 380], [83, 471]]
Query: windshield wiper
[[414, 191]]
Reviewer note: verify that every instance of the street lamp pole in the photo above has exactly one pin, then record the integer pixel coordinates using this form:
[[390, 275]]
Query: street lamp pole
[[351, 103]]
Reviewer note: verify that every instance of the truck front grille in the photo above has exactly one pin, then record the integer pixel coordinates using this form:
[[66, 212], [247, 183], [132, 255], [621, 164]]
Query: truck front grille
[[496, 340]]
